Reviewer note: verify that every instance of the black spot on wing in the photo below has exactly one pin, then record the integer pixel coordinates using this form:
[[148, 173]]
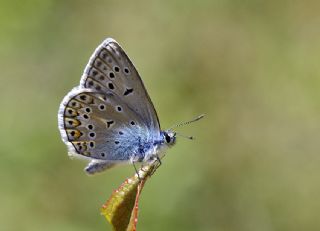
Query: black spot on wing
[[128, 91]]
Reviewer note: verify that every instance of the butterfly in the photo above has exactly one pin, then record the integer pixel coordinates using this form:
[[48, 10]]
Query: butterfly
[[109, 119]]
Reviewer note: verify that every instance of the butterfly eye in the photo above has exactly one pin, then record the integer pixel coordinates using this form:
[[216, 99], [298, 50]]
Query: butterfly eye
[[168, 138]]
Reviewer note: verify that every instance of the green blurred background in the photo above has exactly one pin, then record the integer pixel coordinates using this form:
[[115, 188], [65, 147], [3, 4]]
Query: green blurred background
[[251, 66]]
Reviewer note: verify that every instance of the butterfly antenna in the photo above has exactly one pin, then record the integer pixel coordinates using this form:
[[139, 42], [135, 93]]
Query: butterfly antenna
[[184, 136], [188, 122]]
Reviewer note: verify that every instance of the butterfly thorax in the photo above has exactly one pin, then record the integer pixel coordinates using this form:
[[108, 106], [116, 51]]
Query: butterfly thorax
[[158, 147]]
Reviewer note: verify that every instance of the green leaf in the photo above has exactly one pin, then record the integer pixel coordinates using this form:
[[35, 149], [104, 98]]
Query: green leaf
[[121, 209]]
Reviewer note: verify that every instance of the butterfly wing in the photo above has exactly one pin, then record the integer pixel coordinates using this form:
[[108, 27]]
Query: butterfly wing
[[110, 69], [100, 126], [110, 114]]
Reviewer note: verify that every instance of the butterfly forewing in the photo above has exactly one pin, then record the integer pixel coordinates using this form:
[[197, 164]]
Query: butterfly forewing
[[110, 69]]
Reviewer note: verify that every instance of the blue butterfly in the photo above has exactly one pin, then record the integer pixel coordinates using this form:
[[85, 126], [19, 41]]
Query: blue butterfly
[[109, 118]]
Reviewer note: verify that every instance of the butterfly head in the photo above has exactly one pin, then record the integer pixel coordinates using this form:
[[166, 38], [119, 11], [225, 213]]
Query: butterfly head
[[169, 137]]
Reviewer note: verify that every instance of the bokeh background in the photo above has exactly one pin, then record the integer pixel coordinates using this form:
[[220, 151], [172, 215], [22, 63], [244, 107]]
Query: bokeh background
[[251, 66]]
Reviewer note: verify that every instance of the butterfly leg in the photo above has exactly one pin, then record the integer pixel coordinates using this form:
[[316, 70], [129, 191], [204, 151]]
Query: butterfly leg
[[135, 168], [97, 166], [157, 164], [159, 161]]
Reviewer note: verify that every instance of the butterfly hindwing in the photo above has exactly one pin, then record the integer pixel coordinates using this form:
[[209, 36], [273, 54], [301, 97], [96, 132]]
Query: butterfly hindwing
[[100, 126]]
